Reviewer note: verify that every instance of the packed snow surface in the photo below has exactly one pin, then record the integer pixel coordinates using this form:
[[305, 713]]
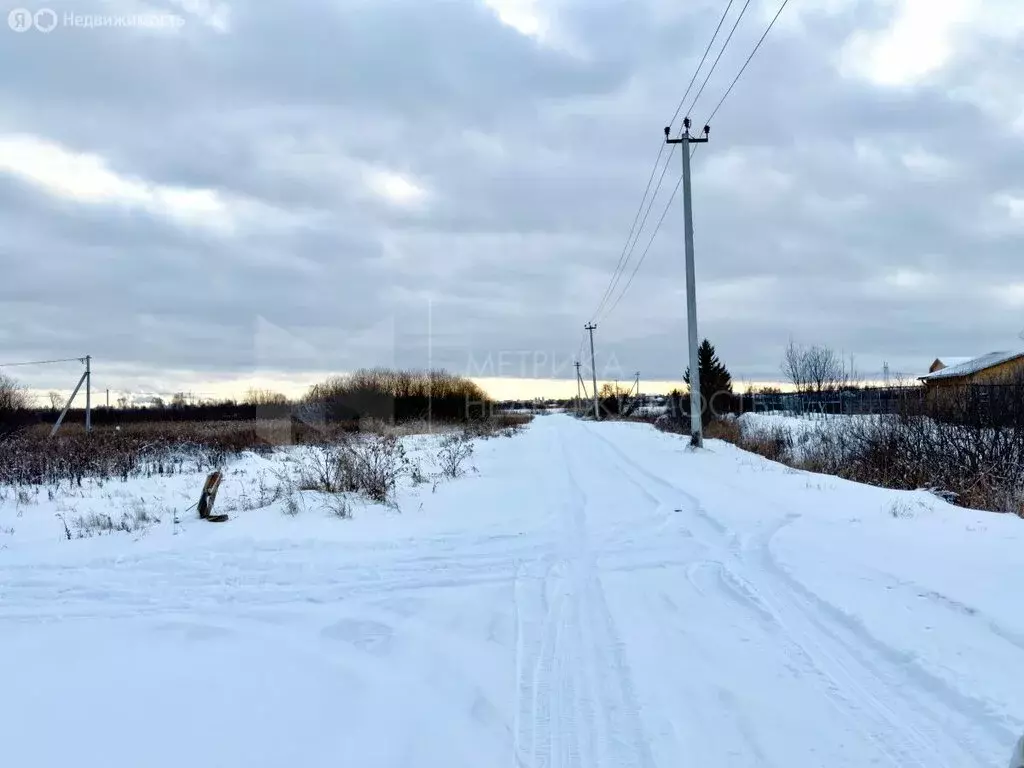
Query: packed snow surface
[[596, 595]]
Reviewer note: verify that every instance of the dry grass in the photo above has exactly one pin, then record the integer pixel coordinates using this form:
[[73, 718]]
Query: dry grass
[[724, 429], [31, 457], [974, 467]]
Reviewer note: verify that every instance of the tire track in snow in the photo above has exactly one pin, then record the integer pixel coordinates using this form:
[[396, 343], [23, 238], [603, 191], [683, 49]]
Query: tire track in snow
[[576, 706], [951, 605], [621, 740], [536, 632], [236, 579], [863, 676], [711, 706], [938, 712], [957, 711], [712, 575]]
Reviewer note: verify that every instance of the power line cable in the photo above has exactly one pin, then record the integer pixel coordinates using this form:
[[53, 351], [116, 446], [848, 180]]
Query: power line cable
[[627, 250], [710, 118], [718, 58], [744, 67], [629, 237], [645, 250], [617, 277], [703, 58], [42, 363]]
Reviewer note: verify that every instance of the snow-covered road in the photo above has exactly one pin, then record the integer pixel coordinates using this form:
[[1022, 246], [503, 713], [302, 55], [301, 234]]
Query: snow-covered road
[[598, 596]]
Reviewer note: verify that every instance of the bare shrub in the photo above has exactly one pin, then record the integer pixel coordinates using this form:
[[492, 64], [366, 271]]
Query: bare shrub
[[32, 458], [372, 465], [498, 425], [454, 451], [140, 515], [291, 505], [723, 429], [134, 519], [416, 476], [970, 465], [339, 505], [900, 509], [325, 470], [513, 421], [367, 464], [775, 443], [672, 423]]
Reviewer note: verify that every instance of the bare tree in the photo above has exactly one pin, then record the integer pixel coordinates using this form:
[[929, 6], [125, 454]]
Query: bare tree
[[816, 368], [794, 366], [56, 401], [823, 368], [265, 397], [13, 396]]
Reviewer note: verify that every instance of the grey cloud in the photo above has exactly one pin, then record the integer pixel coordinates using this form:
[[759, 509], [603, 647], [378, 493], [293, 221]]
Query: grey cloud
[[534, 161]]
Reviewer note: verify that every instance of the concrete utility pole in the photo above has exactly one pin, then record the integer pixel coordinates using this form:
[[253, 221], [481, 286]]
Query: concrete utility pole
[[88, 393], [593, 370], [578, 382], [84, 379], [637, 384], [696, 428]]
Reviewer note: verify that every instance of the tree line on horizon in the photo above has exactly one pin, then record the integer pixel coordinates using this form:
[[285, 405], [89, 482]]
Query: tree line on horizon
[[379, 393]]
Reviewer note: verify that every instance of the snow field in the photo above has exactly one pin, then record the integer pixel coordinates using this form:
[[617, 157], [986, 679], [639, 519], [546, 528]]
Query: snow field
[[596, 595]]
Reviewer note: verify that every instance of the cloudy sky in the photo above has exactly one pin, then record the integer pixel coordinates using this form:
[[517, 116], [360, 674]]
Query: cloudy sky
[[236, 191]]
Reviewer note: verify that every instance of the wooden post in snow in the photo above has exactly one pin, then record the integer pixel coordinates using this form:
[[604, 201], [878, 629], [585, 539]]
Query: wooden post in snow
[[208, 497]]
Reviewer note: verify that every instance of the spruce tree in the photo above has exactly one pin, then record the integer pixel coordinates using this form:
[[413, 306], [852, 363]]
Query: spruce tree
[[715, 381]]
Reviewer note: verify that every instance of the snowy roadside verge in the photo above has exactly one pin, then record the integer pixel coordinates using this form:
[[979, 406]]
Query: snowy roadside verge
[[381, 474], [972, 465], [924, 584]]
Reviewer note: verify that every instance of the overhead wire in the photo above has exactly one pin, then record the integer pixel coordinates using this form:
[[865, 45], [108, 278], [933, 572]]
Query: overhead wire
[[747, 62], [639, 232], [627, 250], [44, 362], [632, 228], [718, 58], [650, 242], [703, 58], [710, 117]]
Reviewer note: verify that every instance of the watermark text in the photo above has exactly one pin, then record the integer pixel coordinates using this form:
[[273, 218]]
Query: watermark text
[[46, 20]]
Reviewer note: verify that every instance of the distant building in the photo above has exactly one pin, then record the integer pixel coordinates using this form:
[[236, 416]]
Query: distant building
[[993, 368]]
